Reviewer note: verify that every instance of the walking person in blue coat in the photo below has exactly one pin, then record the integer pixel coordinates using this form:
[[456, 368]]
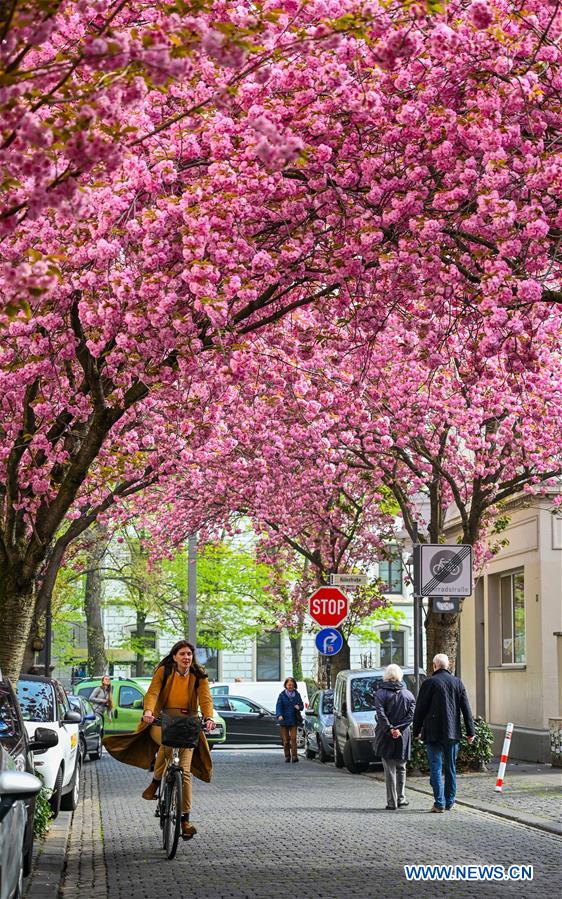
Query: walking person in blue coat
[[288, 710], [394, 705]]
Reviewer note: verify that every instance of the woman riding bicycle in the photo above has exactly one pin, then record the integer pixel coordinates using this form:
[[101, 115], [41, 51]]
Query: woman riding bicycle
[[178, 683]]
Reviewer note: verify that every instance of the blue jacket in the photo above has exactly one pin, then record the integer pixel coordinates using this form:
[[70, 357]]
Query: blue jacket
[[441, 701], [286, 708]]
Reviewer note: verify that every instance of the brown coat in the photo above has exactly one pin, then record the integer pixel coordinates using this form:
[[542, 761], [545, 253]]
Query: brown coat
[[139, 748]]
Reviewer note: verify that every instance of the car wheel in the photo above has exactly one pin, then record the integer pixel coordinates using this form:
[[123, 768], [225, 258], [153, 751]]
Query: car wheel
[[300, 737], [55, 797], [70, 800], [28, 849], [83, 747], [338, 757], [96, 754], [309, 753], [322, 754], [352, 766]]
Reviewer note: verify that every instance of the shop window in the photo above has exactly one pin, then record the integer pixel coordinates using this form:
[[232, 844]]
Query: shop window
[[392, 647], [512, 604], [268, 656]]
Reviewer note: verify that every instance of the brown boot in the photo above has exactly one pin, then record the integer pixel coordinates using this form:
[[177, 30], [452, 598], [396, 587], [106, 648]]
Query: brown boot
[[151, 790], [187, 830]]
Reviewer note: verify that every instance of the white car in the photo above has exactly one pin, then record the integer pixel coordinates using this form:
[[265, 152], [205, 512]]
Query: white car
[[44, 703], [15, 788]]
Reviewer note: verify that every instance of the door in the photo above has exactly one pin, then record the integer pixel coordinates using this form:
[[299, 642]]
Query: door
[[127, 710], [340, 706], [248, 722], [68, 734], [91, 724]]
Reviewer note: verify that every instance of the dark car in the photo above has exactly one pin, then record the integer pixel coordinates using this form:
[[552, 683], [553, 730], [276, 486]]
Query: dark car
[[90, 727], [318, 726], [246, 720], [16, 743]]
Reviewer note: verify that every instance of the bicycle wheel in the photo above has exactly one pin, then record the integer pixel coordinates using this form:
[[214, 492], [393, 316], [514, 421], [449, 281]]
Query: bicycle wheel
[[173, 814], [162, 801]]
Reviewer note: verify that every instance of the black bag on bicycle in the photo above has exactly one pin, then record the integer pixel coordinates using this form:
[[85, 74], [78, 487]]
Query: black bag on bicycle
[[180, 731]]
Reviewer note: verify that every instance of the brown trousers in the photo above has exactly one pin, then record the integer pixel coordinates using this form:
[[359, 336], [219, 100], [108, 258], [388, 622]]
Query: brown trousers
[[289, 739], [164, 756]]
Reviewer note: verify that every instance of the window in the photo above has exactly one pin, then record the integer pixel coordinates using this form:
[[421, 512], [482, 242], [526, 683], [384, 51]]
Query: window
[[328, 703], [36, 700], [8, 717], [221, 702], [268, 656], [209, 658], [512, 605], [390, 572], [242, 705], [392, 647], [363, 693], [128, 696]]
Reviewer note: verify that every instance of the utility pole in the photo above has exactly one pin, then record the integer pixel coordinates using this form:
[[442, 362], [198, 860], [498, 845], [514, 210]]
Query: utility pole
[[192, 589]]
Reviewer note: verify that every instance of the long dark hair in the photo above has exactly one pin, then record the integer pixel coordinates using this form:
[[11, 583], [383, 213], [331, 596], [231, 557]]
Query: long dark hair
[[168, 661]]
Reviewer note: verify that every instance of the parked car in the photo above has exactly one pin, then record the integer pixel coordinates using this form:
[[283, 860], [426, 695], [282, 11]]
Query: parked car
[[91, 727], [16, 789], [265, 692], [44, 702], [15, 741], [319, 726], [128, 695], [246, 720], [355, 716]]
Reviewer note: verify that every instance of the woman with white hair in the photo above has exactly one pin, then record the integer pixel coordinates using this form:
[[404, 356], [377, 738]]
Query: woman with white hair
[[395, 707]]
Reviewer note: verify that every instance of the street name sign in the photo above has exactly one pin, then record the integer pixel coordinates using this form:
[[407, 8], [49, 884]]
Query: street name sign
[[328, 606], [329, 641], [444, 570], [348, 580]]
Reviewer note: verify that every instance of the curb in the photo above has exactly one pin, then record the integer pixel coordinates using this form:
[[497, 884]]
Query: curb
[[503, 812], [49, 859]]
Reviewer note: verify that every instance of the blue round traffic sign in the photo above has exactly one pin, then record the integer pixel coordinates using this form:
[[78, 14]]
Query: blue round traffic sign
[[329, 641]]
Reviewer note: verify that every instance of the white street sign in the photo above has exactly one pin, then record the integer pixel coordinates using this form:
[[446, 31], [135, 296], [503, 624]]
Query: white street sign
[[348, 580], [442, 570]]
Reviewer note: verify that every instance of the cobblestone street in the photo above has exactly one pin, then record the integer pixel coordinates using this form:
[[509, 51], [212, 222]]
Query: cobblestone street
[[267, 829]]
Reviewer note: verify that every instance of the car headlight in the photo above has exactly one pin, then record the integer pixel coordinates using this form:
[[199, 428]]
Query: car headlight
[[366, 730]]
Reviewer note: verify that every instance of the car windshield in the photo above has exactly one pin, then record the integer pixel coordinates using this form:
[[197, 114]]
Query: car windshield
[[36, 700], [328, 704], [363, 693]]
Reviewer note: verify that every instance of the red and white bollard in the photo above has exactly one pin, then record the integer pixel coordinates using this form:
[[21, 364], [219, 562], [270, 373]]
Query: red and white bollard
[[503, 758]]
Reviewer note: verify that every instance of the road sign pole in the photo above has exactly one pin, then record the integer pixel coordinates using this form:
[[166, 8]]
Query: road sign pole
[[328, 673]]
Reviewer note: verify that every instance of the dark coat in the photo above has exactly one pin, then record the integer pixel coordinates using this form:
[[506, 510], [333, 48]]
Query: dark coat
[[441, 701], [139, 748], [286, 708], [394, 706]]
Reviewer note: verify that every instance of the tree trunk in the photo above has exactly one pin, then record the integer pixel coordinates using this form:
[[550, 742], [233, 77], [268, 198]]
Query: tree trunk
[[97, 659], [17, 602], [295, 639], [140, 641], [442, 635], [339, 662]]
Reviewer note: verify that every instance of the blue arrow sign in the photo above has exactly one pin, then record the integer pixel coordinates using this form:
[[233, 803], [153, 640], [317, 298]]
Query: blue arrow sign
[[329, 641]]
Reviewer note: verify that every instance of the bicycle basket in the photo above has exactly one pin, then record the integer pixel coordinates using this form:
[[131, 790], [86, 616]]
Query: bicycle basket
[[180, 731]]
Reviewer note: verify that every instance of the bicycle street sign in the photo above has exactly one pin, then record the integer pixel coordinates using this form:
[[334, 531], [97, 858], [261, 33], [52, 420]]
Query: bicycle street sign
[[443, 570]]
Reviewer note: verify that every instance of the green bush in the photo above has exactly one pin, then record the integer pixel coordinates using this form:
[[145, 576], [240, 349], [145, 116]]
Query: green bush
[[43, 814], [471, 756]]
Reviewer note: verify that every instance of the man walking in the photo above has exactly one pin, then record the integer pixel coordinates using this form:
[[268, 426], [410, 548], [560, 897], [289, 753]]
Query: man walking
[[441, 700]]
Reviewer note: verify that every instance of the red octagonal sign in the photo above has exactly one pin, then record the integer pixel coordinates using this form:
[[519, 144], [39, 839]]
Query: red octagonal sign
[[328, 606]]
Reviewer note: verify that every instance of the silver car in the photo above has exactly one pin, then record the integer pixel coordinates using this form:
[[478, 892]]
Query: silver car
[[15, 787], [318, 727]]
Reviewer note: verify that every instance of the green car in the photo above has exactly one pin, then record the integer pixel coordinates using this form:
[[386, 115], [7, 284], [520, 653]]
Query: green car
[[128, 694]]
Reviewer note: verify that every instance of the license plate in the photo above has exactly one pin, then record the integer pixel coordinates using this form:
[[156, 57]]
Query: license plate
[[216, 732]]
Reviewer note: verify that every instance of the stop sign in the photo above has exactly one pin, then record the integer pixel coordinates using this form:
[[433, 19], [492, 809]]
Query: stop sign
[[328, 606]]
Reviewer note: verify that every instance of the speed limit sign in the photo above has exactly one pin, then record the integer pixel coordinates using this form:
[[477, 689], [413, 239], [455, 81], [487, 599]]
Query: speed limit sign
[[443, 570]]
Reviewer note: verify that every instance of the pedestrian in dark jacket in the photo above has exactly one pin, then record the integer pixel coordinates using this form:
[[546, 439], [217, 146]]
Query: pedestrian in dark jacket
[[288, 710], [441, 701], [394, 705]]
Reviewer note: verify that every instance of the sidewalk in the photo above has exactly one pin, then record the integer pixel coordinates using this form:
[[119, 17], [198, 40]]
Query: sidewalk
[[49, 859], [532, 793]]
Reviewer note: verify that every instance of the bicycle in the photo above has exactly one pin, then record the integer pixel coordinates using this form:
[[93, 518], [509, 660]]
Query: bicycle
[[170, 802]]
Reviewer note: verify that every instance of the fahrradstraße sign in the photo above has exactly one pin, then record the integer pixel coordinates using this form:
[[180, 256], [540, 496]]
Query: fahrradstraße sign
[[442, 570]]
